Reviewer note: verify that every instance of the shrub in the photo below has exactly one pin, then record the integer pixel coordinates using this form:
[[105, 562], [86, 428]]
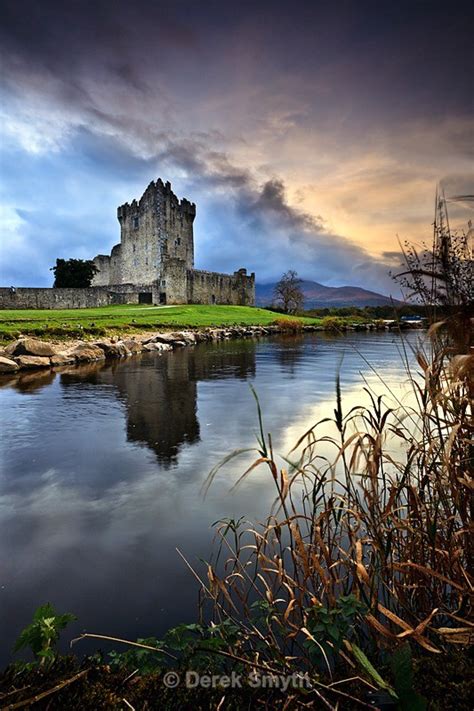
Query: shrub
[[333, 324], [288, 324]]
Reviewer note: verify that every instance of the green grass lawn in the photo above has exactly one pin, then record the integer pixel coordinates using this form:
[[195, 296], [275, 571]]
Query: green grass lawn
[[98, 321]]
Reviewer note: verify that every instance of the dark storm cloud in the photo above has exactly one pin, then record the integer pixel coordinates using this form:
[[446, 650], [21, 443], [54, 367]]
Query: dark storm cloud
[[224, 100], [281, 235], [412, 57]]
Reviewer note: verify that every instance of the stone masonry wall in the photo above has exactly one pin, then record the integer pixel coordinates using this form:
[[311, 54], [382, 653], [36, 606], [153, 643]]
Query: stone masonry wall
[[102, 262], [177, 285], [115, 265], [173, 281], [195, 286], [70, 298], [214, 288]]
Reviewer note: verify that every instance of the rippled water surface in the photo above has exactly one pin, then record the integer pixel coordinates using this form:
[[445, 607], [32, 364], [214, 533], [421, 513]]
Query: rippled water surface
[[102, 467]]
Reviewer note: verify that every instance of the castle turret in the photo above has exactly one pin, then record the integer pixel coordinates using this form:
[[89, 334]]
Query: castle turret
[[153, 229]]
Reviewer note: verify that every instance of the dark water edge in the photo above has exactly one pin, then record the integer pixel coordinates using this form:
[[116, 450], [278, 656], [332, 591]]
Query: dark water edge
[[102, 466]]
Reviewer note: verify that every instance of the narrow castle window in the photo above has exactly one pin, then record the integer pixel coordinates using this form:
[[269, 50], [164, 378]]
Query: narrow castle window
[[136, 223], [178, 241]]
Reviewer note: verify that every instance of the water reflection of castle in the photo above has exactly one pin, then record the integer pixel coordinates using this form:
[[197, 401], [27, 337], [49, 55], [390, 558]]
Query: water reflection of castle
[[160, 392]]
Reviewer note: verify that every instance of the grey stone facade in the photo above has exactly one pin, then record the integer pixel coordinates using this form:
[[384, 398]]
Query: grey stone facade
[[157, 249]]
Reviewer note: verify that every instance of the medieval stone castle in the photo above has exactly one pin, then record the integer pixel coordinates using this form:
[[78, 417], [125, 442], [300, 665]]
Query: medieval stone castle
[[156, 254], [154, 263]]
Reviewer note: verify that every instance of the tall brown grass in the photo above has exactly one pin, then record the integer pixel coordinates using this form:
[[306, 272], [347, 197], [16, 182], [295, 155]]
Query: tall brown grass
[[387, 518]]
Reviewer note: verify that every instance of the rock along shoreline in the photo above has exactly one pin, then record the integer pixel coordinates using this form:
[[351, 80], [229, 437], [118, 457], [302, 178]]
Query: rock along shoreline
[[29, 353]]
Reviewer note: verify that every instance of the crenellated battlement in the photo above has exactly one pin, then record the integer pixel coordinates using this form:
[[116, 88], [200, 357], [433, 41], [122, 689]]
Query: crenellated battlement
[[156, 193]]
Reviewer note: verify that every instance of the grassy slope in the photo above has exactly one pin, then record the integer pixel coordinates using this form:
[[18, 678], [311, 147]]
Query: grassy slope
[[75, 322]]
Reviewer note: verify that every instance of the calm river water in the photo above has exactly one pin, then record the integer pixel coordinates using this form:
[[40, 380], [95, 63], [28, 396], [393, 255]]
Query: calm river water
[[102, 467]]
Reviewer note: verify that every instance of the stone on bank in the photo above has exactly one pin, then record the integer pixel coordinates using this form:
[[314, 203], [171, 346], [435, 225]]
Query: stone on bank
[[31, 347], [7, 365], [29, 353], [31, 361]]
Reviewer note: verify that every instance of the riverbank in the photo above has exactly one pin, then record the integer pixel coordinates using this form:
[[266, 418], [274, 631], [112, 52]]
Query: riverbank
[[27, 353], [443, 682]]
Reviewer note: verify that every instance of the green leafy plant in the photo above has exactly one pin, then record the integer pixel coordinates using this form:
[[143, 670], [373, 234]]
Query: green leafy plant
[[330, 627], [189, 645], [43, 633], [402, 668], [145, 660], [261, 612]]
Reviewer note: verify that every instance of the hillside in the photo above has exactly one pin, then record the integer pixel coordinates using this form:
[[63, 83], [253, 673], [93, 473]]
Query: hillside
[[320, 296]]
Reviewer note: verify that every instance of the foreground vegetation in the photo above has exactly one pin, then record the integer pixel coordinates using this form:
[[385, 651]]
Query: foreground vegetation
[[196, 665], [129, 318]]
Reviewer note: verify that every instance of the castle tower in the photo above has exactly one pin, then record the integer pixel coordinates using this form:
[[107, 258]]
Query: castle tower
[[154, 229]]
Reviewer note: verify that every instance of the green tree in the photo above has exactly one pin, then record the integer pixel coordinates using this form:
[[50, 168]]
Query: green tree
[[75, 273]]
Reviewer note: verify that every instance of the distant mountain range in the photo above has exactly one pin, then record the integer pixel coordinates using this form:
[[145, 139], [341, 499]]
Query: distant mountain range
[[317, 296]]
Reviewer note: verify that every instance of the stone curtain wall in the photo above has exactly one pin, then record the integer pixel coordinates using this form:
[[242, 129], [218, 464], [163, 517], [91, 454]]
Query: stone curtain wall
[[70, 298], [178, 284], [236, 289], [195, 286]]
